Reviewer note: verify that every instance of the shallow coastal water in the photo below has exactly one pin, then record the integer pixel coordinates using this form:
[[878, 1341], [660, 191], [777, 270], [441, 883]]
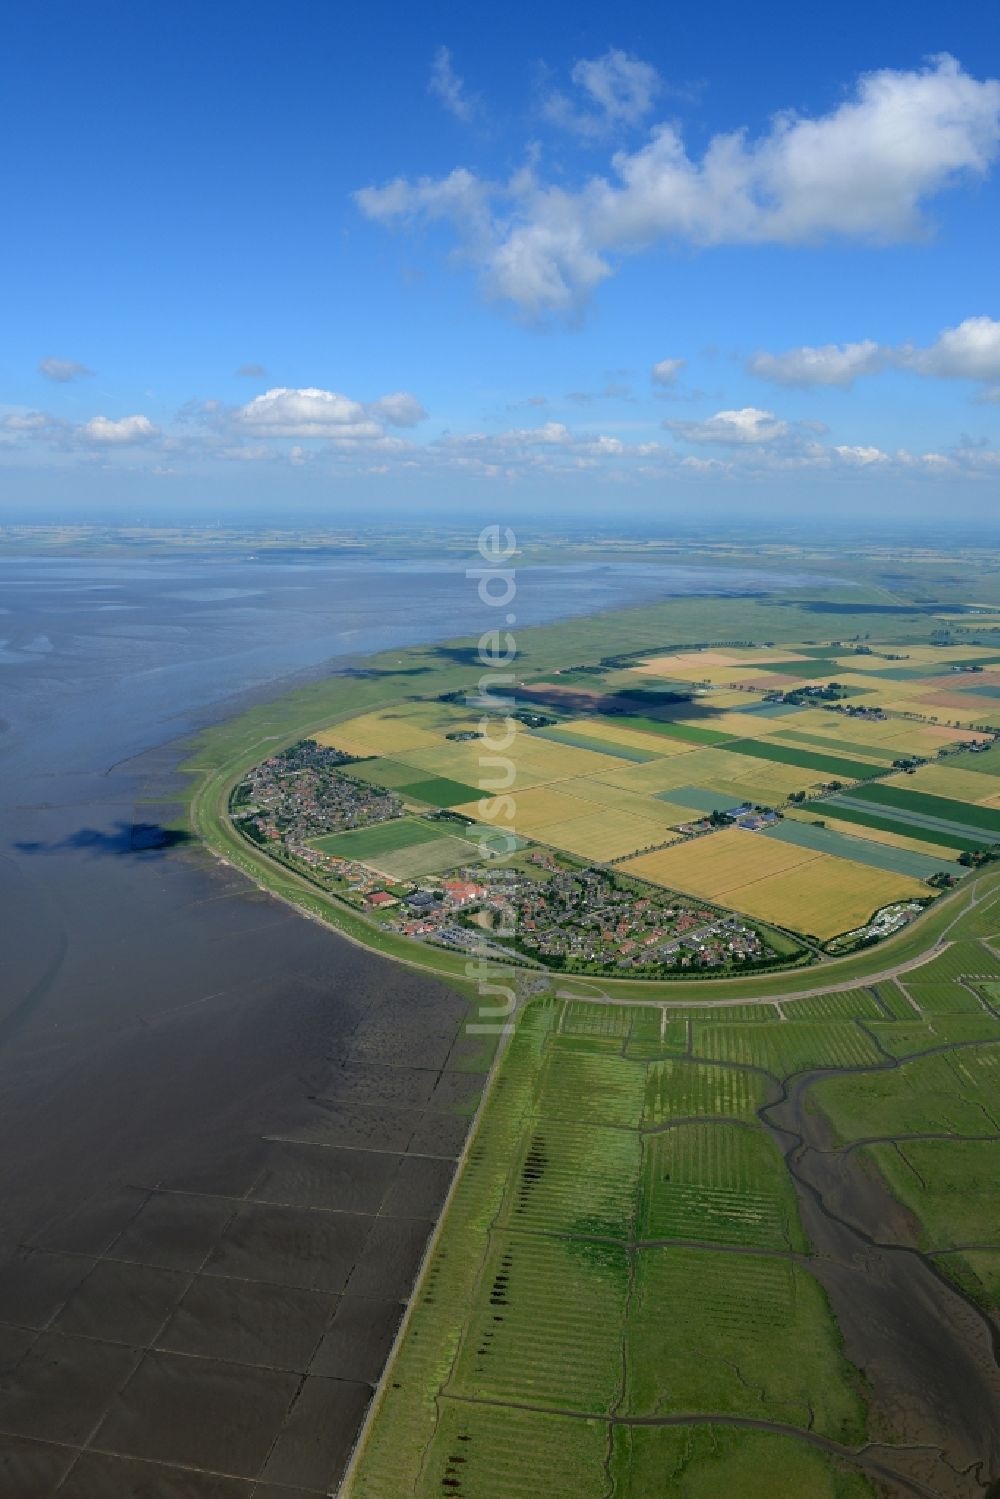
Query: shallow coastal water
[[226, 1131]]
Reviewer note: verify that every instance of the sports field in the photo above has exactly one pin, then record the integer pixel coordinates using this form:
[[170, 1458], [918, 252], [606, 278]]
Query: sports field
[[404, 848]]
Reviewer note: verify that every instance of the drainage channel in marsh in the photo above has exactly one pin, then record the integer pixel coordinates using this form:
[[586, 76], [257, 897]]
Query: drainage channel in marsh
[[928, 1353]]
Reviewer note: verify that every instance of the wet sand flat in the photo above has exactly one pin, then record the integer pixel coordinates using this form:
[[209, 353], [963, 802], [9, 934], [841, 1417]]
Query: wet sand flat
[[214, 1213]]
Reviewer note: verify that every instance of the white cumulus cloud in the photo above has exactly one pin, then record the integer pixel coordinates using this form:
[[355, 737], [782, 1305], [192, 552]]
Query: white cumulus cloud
[[969, 352], [831, 364], [62, 371], [749, 425], [446, 86], [311, 412], [399, 409], [118, 432], [860, 457], [667, 371], [862, 172], [617, 89]]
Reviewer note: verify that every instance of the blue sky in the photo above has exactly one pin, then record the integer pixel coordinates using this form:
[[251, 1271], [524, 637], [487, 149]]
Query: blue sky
[[450, 247]]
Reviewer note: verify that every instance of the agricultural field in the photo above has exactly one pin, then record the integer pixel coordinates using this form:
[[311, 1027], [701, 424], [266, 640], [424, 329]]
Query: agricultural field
[[717, 865], [776, 881], [872, 836], [614, 765], [599, 836], [827, 840]]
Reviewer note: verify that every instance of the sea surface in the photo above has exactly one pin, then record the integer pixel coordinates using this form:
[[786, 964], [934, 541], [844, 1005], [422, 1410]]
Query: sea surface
[[226, 1131]]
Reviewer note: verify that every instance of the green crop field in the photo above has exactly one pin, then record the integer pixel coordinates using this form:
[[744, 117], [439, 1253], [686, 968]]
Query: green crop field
[[889, 794], [834, 766], [691, 733], [877, 855], [439, 791], [949, 835], [765, 1343], [818, 669], [962, 959], [784, 1049], [870, 752], [845, 1004], [987, 761], [892, 997], [906, 1038], [654, 1032], [686, 1089], [705, 1461], [943, 998]]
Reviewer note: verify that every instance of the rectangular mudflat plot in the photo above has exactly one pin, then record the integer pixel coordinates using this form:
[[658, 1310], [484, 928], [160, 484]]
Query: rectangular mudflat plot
[[358, 1340], [101, 1475], [62, 1387], [324, 1176], [291, 1246], [249, 1322], [317, 1436], [174, 1230], [122, 1302], [199, 1411]]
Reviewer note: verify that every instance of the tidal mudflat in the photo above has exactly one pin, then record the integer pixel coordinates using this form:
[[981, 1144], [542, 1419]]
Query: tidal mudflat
[[226, 1131]]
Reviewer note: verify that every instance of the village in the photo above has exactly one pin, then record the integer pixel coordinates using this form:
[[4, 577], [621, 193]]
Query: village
[[539, 909], [298, 794], [581, 918]]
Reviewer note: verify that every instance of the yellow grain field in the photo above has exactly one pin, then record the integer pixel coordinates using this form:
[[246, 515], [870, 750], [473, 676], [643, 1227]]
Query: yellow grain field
[[826, 897], [536, 761], [615, 798], [720, 863], [963, 785], [533, 809], [812, 893], [615, 733], [744, 725], [606, 834], [385, 733], [893, 736]]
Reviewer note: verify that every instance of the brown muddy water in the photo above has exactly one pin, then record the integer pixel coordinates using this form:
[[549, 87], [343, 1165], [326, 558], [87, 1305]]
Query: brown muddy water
[[226, 1132]]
